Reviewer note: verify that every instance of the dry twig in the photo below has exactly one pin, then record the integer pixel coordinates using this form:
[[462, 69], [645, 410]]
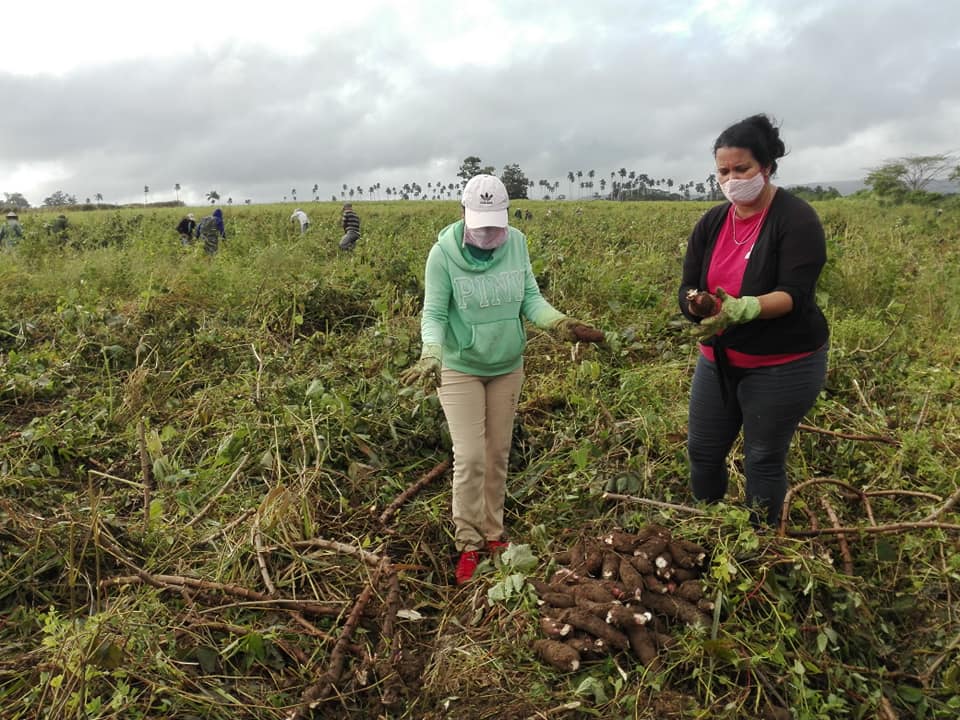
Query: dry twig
[[841, 539], [849, 436], [653, 503], [206, 508], [172, 582], [316, 693], [145, 471], [391, 509]]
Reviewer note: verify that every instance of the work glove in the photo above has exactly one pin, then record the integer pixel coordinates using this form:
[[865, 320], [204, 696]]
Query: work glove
[[733, 311], [426, 371], [572, 330]]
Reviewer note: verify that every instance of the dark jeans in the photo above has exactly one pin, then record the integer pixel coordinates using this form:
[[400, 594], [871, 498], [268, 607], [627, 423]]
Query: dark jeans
[[768, 403], [349, 240]]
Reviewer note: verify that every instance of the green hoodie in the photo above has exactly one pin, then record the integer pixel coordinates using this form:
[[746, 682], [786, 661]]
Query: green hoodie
[[473, 308]]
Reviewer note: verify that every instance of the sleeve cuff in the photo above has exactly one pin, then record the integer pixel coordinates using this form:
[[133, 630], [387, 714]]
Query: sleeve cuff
[[432, 350]]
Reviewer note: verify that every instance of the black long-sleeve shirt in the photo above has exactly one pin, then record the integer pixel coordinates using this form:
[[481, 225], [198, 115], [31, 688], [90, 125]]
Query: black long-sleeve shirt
[[788, 255]]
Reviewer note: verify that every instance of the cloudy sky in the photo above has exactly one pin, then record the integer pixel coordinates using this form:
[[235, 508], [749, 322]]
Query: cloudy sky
[[255, 99]]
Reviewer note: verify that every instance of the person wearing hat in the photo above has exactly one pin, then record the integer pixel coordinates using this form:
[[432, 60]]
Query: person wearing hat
[[186, 228], [479, 287], [11, 231], [351, 227], [301, 217]]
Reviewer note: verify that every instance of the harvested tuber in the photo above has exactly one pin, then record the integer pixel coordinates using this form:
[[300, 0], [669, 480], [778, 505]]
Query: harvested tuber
[[687, 554], [582, 620], [560, 655], [701, 303], [611, 566], [553, 628], [676, 608], [643, 645], [594, 608], [621, 541], [587, 647], [629, 576], [653, 584], [651, 547], [557, 600], [642, 565], [691, 590], [593, 591], [628, 616], [585, 333], [592, 558]]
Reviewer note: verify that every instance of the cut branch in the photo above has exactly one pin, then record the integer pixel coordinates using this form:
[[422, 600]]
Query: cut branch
[[145, 472], [653, 503], [398, 501], [876, 529], [317, 693], [841, 538], [849, 436], [172, 582]]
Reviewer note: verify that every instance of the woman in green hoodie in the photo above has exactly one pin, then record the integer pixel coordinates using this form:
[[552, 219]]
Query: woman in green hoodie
[[479, 287]]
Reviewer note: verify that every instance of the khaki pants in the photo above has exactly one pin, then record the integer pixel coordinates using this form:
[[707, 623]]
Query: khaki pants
[[479, 412]]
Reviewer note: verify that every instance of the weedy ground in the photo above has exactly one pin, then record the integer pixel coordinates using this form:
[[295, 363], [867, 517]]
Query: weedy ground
[[203, 463]]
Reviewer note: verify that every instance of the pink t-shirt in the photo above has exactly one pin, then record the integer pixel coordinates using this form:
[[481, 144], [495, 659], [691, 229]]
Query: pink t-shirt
[[727, 265]]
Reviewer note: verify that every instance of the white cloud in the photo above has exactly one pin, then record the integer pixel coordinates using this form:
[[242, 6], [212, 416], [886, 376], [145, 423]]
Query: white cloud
[[294, 94]]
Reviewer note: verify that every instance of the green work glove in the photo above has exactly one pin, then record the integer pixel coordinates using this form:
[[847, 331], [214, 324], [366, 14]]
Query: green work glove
[[572, 330], [425, 371], [733, 311]]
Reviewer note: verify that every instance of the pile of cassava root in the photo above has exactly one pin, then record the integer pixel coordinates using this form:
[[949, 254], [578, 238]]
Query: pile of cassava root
[[620, 592]]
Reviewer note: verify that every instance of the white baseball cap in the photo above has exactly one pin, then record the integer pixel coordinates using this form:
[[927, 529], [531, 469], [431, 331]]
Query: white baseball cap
[[485, 202]]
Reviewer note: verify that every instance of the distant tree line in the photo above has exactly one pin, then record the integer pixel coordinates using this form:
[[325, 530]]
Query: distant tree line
[[907, 179], [904, 179]]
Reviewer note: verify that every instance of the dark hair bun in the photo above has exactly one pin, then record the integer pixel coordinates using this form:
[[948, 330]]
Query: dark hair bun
[[759, 135]]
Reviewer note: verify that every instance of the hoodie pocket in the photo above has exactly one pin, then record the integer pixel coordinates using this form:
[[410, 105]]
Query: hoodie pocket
[[495, 343]]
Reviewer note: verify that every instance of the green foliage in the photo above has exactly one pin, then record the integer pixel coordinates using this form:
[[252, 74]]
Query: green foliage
[[59, 199], [906, 179], [814, 193], [515, 182], [265, 381], [471, 166]]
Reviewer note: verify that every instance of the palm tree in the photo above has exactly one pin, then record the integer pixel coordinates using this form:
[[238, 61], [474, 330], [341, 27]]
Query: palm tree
[[316, 191], [176, 189], [293, 194], [146, 191], [213, 196], [229, 201], [570, 177], [247, 201], [99, 198]]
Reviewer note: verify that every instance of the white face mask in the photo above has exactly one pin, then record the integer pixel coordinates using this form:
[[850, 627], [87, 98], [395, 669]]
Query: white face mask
[[486, 238], [744, 192]]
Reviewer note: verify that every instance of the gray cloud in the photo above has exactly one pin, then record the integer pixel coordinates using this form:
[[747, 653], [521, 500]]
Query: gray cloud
[[852, 86]]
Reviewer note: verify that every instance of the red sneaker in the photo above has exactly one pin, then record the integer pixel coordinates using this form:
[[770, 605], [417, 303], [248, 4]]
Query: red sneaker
[[466, 566], [497, 546]]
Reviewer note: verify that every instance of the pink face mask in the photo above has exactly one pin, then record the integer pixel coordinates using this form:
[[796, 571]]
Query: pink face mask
[[485, 238], [744, 192]]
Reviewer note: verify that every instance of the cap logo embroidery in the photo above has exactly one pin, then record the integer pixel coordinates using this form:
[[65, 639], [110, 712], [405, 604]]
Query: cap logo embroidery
[[486, 198]]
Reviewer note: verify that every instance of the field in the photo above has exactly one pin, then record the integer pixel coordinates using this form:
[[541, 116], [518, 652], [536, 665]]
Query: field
[[219, 502]]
